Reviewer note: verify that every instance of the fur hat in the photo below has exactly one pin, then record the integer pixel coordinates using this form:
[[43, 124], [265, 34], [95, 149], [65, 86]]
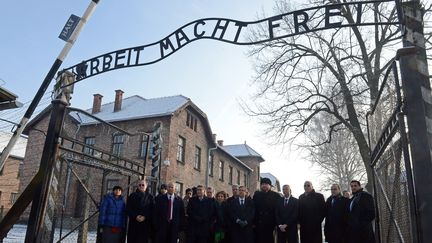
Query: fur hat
[[266, 181]]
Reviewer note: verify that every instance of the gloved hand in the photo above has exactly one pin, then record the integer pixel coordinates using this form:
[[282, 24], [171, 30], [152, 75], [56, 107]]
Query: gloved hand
[[243, 223]]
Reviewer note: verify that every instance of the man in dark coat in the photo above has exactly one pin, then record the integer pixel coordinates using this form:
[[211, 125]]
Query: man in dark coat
[[241, 213], [201, 214], [360, 216], [139, 208], [265, 212], [287, 217], [235, 193], [168, 216], [311, 214], [182, 234], [336, 216]]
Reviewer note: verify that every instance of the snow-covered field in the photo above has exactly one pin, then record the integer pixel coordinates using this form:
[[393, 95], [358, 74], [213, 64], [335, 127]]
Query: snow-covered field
[[17, 235]]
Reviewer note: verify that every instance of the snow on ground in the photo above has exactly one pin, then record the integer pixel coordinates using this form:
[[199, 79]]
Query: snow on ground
[[17, 235]]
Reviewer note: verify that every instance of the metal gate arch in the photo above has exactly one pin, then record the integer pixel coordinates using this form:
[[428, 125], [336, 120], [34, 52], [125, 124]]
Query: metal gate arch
[[393, 180], [82, 173]]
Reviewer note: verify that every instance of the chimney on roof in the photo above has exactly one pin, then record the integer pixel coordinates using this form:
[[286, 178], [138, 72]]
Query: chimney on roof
[[97, 101], [118, 100], [220, 142], [214, 137]]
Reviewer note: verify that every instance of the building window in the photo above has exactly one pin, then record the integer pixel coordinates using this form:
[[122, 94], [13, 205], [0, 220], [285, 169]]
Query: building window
[[19, 169], [179, 188], [143, 147], [188, 119], [230, 173], [89, 142], [118, 144], [197, 160], [221, 170], [191, 121], [14, 197], [211, 165], [238, 177], [181, 145], [245, 180], [258, 173], [110, 184]]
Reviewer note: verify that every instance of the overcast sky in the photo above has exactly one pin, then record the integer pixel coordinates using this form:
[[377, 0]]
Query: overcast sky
[[213, 74]]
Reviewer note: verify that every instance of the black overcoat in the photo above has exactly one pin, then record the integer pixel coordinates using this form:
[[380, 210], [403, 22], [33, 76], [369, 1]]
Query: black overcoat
[[360, 217], [139, 203], [167, 231], [335, 227], [265, 215], [201, 215], [287, 214], [238, 233], [311, 214]]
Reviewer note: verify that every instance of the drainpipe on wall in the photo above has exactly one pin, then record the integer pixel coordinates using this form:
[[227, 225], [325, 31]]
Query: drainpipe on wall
[[208, 165]]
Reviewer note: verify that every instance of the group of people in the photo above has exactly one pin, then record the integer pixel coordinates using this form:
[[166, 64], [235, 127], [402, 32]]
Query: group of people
[[204, 217]]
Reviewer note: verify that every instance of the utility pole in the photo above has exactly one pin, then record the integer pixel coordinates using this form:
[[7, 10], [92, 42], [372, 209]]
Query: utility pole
[[50, 76], [418, 98]]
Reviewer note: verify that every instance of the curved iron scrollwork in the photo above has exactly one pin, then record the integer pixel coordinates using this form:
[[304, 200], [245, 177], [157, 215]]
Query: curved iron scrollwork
[[234, 32]]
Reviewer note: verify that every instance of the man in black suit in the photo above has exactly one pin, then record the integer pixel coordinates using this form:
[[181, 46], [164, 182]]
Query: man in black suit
[[265, 212], [139, 208], [241, 213], [361, 214], [286, 217], [235, 192], [168, 216], [201, 214], [336, 216], [311, 214]]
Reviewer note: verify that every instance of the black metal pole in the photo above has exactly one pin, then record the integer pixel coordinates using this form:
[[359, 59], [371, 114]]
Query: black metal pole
[[102, 193], [40, 199], [417, 94], [145, 155]]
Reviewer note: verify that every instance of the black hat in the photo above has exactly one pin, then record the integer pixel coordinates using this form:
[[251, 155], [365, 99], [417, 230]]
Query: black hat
[[266, 181], [117, 187], [163, 186]]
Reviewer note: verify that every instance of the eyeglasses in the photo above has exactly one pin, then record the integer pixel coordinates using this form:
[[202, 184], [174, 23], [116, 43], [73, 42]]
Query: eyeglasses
[[141, 184]]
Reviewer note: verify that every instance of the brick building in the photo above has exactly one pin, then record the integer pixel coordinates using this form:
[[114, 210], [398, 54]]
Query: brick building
[[10, 173], [190, 154]]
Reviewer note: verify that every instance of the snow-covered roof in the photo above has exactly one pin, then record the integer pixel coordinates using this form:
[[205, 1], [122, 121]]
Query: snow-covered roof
[[136, 107], [20, 146], [232, 156], [242, 150]]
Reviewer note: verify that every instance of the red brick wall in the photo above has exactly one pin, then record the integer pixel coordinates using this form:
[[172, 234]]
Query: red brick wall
[[172, 127], [9, 182], [254, 164]]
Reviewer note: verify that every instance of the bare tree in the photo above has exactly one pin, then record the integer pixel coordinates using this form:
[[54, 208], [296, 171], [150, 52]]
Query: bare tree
[[339, 161], [334, 73]]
